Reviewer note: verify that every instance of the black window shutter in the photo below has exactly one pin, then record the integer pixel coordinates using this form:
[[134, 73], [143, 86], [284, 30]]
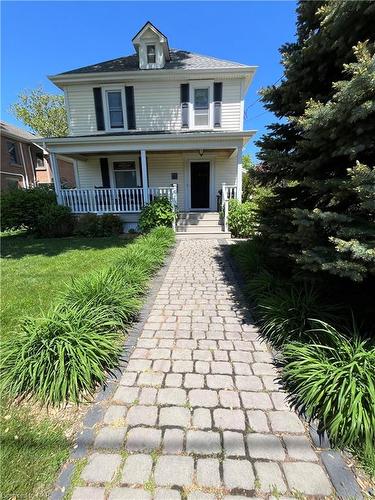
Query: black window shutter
[[184, 92], [105, 172], [130, 108], [218, 97], [98, 99]]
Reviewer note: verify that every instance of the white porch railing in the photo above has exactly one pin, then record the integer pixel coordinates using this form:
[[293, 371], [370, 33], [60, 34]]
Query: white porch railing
[[113, 200], [228, 192]]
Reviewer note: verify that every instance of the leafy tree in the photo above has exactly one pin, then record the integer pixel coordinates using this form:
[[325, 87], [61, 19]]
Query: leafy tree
[[44, 113], [319, 158], [247, 165]]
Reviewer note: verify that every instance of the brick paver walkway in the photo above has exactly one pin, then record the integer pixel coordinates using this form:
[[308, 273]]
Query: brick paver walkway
[[197, 414]]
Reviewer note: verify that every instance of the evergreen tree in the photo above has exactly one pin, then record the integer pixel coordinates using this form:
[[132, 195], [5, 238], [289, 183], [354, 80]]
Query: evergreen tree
[[319, 159]]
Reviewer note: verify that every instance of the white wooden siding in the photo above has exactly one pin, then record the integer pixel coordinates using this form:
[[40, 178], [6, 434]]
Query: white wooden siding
[[225, 171], [157, 106], [160, 168], [89, 173], [81, 109], [231, 105]]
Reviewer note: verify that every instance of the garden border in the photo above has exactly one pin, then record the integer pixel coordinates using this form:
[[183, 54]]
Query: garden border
[[95, 412], [341, 476]]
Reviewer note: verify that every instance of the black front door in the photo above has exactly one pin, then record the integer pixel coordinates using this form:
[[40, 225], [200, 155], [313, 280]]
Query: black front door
[[200, 184]]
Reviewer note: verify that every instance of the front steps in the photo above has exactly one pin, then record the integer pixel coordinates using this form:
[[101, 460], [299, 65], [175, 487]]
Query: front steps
[[200, 225]]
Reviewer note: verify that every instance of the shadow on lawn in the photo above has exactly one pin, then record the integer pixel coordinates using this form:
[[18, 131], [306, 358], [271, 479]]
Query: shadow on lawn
[[18, 246]]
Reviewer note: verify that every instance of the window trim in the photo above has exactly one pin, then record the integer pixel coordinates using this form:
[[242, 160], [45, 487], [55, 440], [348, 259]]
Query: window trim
[[201, 84], [16, 150], [107, 121], [115, 159], [147, 54]]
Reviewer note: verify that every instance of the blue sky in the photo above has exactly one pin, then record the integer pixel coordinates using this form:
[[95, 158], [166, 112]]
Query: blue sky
[[44, 38]]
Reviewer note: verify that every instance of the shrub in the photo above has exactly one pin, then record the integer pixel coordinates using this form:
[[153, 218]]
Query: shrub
[[241, 219], [159, 212], [21, 208], [335, 384], [111, 225], [106, 291], [285, 311], [93, 225], [87, 225], [61, 356], [58, 221]]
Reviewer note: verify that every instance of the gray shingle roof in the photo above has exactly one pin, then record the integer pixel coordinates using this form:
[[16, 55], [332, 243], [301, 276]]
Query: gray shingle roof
[[180, 59], [7, 128]]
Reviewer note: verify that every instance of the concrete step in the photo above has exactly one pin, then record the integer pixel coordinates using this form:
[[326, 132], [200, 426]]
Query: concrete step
[[198, 222], [203, 236], [198, 216], [199, 229]]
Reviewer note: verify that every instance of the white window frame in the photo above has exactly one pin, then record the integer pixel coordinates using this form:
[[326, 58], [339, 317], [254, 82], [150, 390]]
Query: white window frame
[[155, 52], [201, 84], [114, 159], [105, 91]]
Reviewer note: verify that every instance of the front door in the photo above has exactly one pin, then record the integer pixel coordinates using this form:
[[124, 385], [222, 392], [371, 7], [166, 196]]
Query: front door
[[200, 184]]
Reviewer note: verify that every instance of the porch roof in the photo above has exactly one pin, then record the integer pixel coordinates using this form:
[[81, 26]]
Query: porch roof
[[147, 140]]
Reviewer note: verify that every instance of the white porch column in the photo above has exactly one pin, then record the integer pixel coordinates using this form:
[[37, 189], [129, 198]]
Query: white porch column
[[239, 173], [144, 176], [56, 177]]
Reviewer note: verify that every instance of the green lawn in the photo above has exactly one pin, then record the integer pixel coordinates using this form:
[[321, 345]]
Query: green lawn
[[33, 274]]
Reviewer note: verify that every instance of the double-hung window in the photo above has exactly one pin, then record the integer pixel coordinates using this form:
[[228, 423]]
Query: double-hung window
[[201, 106], [115, 109], [151, 54], [125, 174], [12, 152]]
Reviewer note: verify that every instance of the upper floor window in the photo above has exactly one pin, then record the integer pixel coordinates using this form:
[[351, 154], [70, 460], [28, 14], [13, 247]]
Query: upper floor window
[[151, 54], [12, 152], [201, 107], [115, 109]]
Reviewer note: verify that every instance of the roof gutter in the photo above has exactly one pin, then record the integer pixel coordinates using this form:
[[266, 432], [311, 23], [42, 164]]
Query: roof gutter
[[140, 75]]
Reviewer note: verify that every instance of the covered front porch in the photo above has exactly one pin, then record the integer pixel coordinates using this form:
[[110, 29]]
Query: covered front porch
[[120, 174]]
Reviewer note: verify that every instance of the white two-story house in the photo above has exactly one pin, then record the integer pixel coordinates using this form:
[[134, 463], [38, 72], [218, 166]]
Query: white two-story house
[[160, 121]]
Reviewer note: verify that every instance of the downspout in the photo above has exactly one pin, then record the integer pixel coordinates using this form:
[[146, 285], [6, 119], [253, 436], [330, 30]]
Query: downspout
[[32, 165], [26, 180]]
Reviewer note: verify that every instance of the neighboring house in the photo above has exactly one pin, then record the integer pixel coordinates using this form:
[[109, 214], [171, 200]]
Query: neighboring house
[[160, 121], [25, 164]]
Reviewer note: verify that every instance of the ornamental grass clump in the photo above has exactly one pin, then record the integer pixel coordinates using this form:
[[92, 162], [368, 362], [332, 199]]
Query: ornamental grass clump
[[334, 383], [61, 356], [106, 291], [284, 312]]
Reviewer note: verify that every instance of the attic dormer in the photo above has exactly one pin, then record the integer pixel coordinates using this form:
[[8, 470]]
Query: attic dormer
[[152, 47]]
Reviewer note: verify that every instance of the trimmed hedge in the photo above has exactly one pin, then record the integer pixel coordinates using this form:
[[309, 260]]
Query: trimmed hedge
[[63, 355]]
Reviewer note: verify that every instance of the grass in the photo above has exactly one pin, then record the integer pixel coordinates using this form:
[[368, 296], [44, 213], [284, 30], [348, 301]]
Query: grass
[[34, 271], [34, 276], [32, 452]]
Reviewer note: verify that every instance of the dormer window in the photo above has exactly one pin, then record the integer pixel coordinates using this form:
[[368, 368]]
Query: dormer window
[[151, 54]]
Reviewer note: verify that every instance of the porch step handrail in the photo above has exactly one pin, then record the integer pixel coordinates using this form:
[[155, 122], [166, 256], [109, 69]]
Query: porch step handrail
[[113, 200]]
